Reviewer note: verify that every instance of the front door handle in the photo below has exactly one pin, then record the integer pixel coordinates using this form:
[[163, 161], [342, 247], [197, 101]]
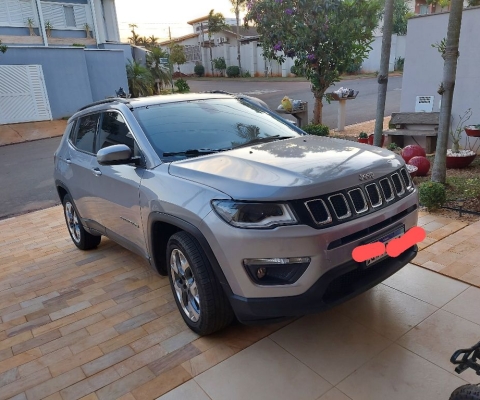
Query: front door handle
[[97, 172], [68, 161]]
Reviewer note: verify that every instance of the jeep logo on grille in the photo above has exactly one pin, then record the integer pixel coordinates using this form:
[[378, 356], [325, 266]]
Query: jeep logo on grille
[[368, 175]]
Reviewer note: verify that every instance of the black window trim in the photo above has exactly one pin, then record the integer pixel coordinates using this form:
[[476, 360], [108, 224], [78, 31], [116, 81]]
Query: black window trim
[[100, 121], [75, 130]]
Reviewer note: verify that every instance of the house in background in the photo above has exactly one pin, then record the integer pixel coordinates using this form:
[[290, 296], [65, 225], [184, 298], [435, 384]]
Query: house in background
[[61, 55], [224, 44]]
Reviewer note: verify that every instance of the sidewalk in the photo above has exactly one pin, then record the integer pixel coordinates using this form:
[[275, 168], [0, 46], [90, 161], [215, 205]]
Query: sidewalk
[[26, 132]]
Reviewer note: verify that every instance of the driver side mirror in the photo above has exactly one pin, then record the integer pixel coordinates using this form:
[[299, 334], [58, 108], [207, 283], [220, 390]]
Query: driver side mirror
[[114, 155]]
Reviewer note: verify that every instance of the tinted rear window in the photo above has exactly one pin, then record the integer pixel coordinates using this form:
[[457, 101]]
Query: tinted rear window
[[207, 124]]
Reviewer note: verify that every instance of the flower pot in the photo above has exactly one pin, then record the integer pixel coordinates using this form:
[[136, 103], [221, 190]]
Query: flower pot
[[362, 140], [412, 170], [472, 131], [459, 162], [370, 140]]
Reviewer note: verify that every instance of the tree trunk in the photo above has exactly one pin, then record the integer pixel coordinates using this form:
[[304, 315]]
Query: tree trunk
[[317, 109], [383, 74], [439, 172], [237, 16]]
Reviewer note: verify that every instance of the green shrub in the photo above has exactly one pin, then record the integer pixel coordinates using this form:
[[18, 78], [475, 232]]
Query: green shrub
[[233, 71], [354, 68], [363, 135], [199, 70], [399, 63], [432, 195], [393, 147], [246, 74], [182, 85], [317, 129]]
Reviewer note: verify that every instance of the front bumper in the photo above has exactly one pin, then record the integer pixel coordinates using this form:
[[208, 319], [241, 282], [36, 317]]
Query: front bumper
[[334, 287]]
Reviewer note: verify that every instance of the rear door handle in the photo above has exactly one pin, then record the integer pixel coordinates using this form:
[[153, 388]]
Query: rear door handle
[[68, 161], [97, 172]]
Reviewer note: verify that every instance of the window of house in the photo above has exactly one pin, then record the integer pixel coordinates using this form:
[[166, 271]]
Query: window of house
[[85, 135], [69, 16], [15, 12], [423, 9]]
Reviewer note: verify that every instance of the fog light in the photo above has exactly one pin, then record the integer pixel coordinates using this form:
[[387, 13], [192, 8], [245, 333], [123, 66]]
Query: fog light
[[261, 272], [276, 271]]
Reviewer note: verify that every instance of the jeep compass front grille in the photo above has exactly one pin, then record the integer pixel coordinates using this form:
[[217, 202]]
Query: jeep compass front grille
[[345, 205]]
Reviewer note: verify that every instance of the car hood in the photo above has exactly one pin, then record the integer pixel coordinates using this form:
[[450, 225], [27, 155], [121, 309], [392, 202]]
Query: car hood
[[287, 169]]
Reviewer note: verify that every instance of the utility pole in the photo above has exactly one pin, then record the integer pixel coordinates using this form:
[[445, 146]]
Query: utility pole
[[170, 57], [383, 74]]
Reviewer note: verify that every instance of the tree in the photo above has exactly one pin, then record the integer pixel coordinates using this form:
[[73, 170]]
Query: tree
[[238, 5], [134, 39], [401, 14], [383, 74], [216, 22], [220, 64], [3, 48], [159, 72], [450, 55], [326, 36], [177, 55], [140, 81], [152, 41]]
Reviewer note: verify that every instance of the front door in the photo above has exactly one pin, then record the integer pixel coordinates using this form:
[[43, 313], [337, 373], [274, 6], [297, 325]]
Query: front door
[[117, 187]]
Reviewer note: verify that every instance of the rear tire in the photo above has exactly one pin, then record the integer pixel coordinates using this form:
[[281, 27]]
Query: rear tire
[[199, 296], [466, 392], [80, 237]]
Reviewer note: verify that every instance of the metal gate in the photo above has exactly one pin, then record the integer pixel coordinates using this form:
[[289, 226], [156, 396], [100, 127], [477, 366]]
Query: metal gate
[[23, 96]]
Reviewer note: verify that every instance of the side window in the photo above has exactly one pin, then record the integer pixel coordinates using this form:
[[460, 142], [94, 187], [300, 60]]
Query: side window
[[114, 130], [85, 132]]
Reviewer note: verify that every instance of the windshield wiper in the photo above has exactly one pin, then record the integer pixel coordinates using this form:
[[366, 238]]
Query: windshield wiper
[[263, 140], [192, 152]]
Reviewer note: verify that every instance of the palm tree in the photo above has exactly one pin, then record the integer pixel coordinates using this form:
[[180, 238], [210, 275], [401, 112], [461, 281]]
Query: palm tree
[[216, 22], [238, 5], [140, 81], [159, 72], [152, 41], [135, 39], [144, 41]]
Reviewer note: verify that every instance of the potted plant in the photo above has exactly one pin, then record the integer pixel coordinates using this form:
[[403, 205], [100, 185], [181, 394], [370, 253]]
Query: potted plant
[[362, 137], [473, 130], [48, 28], [31, 23], [371, 137], [87, 30], [457, 158]]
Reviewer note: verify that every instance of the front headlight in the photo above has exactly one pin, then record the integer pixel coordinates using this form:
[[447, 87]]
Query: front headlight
[[254, 215]]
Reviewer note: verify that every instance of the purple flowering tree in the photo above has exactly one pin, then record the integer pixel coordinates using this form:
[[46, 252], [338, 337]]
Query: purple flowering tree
[[325, 36]]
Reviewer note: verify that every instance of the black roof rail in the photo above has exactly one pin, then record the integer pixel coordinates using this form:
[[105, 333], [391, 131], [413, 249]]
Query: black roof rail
[[106, 101]]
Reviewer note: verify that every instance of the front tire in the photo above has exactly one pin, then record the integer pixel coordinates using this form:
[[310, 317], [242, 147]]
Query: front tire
[[199, 296], [466, 392], [80, 237]]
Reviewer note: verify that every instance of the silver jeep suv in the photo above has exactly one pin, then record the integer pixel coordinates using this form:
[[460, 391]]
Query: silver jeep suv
[[247, 215]]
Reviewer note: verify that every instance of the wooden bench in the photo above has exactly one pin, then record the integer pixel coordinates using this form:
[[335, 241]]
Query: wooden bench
[[414, 124]]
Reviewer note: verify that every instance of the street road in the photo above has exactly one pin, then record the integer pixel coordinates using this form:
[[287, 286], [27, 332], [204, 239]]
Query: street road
[[359, 110], [26, 182]]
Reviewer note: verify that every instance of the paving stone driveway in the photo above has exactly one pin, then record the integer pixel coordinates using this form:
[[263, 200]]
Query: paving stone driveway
[[97, 323]]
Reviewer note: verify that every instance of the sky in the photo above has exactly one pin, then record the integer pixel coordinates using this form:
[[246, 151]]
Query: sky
[[153, 17]]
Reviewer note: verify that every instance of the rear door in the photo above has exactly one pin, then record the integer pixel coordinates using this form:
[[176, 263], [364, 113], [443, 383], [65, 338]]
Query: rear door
[[82, 162], [117, 187]]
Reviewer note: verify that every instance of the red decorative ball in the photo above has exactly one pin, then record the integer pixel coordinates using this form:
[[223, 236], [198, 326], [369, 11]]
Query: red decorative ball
[[412, 150], [422, 164]]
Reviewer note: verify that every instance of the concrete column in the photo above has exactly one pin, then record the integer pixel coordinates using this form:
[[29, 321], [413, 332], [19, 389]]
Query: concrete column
[[41, 27], [253, 48], [341, 115], [94, 17]]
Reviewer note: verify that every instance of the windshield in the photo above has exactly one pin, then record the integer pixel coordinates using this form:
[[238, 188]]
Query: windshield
[[192, 128]]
